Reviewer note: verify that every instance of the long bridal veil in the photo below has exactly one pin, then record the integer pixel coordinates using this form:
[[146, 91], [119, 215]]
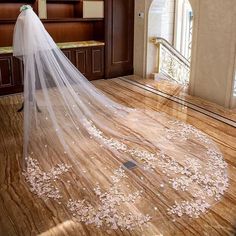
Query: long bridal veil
[[102, 162]]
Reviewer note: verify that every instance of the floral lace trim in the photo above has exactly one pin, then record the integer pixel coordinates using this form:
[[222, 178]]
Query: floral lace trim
[[182, 131], [41, 183], [147, 158], [213, 184], [107, 212], [190, 208], [209, 181]]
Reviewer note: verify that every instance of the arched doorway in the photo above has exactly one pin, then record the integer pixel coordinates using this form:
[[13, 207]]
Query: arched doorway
[[170, 23]]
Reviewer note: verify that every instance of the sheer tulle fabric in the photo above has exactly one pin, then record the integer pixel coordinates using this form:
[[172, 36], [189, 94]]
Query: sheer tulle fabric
[[76, 141]]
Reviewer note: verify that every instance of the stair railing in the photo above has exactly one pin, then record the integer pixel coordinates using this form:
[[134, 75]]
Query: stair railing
[[171, 63]]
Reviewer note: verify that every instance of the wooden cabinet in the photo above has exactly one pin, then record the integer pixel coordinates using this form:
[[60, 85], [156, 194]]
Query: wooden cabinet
[[89, 61], [65, 24]]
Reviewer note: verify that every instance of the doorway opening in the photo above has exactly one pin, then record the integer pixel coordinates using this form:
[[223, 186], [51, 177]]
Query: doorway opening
[[170, 27]]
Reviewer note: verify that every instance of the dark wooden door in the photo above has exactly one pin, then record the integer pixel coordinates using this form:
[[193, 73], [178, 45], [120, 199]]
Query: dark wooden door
[[119, 35]]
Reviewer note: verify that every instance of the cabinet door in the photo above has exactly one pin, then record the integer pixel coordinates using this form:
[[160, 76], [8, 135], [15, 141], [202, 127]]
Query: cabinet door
[[6, 72], [82, 60], [18, 69], [90, 62], [11, 74], [97, 62], [68, 54], [119, 33]]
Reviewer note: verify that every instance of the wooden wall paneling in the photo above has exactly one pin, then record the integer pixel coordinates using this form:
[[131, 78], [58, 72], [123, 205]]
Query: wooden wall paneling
[[98, 30], [65, 9], [78, 9], [62, 10], [6, 34], [65, 1], [70, 31], [119, 33], [8, 15], [18, 1], [11, 9]]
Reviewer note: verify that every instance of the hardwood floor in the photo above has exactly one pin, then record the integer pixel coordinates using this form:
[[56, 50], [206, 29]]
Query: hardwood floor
[[22, 213], [180, 92]]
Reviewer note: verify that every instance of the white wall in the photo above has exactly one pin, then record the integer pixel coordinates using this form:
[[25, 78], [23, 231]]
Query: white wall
[[167, 22], [140, 38], [160, 24], [233, 98], [213, 71]]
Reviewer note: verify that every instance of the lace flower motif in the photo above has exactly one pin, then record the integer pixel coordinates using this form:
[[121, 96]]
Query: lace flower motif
[[107, 212], [190, 173], [189, 208], [208, 180], [41, 183]]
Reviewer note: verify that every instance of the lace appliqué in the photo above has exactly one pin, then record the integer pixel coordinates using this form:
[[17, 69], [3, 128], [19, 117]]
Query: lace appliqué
[[42, 183], [189, 208], [206, 182], [182, 131], [107, 212], [147, 158], [213, 184]]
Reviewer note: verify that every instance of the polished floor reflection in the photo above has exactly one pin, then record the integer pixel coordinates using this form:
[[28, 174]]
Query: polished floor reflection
[[23, 214]]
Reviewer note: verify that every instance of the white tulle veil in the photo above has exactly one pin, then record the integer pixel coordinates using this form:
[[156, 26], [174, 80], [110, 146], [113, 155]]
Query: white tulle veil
[[80, 146]]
